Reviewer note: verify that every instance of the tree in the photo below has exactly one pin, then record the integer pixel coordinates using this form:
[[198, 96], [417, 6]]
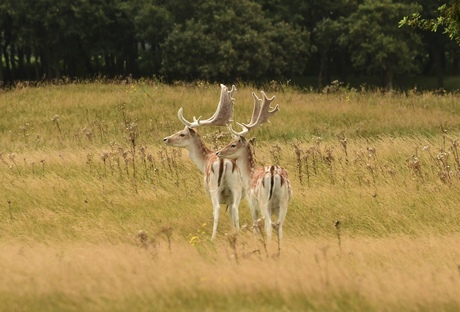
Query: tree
[[234, 40], [376, 44], [325, 36], [153, 24]]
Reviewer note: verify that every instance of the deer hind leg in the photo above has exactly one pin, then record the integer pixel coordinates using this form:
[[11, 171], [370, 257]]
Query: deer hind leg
[[216, 210], [282, 214], [277, 226], [269, 227], [264, 209]]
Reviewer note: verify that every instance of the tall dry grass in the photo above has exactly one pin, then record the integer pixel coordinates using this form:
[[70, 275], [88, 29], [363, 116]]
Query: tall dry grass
[[397, 273], [373, 223]]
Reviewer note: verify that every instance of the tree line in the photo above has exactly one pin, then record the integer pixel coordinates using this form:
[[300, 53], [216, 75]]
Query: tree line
[[247, 40]]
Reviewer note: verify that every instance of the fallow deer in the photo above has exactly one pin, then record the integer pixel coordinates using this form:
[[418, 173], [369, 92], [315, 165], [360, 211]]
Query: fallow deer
[[268, 188], [222, 178]]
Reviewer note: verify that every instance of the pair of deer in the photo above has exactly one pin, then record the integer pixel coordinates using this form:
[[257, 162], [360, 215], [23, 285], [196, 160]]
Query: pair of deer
[[231, 172]]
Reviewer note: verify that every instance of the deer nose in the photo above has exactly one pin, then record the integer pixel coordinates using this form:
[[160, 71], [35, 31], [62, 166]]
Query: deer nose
[[165, 139]]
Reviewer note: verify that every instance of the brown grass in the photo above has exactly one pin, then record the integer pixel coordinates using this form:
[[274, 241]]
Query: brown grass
[[384, 274]]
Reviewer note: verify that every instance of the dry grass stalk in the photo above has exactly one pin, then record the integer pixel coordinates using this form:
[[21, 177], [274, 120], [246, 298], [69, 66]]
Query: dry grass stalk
[[258, 227], [339, 234], [232, 239]]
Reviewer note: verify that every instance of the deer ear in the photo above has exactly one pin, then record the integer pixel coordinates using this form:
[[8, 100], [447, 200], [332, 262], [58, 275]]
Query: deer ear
[[243, 140], [192, 132]]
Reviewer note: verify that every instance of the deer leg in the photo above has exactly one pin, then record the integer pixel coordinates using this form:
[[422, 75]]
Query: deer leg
[[269, 228], [230, 213], [282, 216], [216, 208], [235, 206], [278, 227], [236, 218], [255, 217], [268, 221]]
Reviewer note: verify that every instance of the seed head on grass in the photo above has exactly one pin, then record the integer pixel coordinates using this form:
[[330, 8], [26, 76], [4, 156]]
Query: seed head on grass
[[148, 244], [232, 238], [343, 141], [9, 208], [339, 235], [258, 226], [55, 120], [414, 164], [145, 241], [143, 237], [167, 231], [298, 153], [43, 165]]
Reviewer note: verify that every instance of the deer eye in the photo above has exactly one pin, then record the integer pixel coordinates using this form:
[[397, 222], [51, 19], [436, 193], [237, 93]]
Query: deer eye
[[181, 135], [233, 145]]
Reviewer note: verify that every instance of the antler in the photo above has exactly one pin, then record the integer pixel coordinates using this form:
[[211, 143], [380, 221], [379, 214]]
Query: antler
[[262, 111], [222, 116]]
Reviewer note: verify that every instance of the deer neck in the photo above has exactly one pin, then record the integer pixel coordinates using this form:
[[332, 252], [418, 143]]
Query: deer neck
[[199, 153], [247, 165]]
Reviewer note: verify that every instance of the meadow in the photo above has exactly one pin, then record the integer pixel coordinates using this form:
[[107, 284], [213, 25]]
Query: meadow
[[97, 214]]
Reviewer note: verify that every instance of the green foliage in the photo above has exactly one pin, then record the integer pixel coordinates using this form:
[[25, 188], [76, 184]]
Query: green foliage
[[448, 18], [253, 41], [376, 44], [229, 41], [153, 24]]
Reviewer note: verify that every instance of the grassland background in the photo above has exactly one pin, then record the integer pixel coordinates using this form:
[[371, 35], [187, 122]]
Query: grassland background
[[83, 168]]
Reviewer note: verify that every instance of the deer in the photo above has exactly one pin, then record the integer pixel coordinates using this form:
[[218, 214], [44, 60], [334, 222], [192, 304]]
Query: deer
[[268, 189], [222, 177]]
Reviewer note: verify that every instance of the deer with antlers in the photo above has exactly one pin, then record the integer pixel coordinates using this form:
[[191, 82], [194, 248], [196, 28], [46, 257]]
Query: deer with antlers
[[268, 188], [222, 178]]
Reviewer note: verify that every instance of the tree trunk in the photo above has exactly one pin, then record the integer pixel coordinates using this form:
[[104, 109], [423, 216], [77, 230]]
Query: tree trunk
[[71, 66], [21, 70], [438, 62], [28, 56], [89, 67], [109, 65], [56, 65], [2, 82], [37, 63], [323, 70], [131, 60], [13, 62], [388, 79], [46, 68], [7, 75]]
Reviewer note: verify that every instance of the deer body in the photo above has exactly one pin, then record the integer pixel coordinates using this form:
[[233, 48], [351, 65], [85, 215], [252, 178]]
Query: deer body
[[268, 188], [222, 178]]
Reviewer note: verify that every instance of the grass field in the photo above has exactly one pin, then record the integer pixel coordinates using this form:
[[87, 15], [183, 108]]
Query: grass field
[[97, 214]]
